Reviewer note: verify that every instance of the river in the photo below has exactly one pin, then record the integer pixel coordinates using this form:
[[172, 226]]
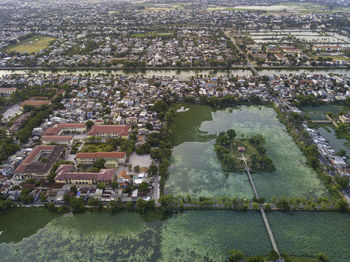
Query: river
[[181, 74]]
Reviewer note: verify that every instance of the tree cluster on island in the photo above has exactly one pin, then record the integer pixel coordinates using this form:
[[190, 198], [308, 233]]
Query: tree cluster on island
[[226, 148]]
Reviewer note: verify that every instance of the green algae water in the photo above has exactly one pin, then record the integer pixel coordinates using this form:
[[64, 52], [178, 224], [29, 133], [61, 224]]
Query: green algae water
[[87, 237], [203, 235], [319, 112], [209, 235], [309, 233], [328, 131], [196, 170]]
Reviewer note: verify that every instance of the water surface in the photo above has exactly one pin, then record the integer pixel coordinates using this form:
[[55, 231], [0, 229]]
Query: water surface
[[197, 171]]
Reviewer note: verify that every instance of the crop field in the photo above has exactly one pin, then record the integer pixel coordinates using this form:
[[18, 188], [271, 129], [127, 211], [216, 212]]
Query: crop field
[[31, 45]]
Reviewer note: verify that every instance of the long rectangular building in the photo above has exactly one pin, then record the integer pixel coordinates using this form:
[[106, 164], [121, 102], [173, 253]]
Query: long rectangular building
[[65, 174], [110, 131]]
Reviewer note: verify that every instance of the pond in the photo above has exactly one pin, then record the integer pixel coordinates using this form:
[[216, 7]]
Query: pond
[[319, 112], [190, 236], [309, 233], [196, 170]]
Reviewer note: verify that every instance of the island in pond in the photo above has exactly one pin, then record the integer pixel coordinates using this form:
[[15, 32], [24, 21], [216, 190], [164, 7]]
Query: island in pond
[[229, 150]]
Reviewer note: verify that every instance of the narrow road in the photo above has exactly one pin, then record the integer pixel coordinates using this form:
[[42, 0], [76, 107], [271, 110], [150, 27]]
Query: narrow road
[[249, 63]]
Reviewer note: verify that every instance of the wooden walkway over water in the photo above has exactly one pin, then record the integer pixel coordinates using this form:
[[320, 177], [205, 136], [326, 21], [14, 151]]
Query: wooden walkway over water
[[262, 211]]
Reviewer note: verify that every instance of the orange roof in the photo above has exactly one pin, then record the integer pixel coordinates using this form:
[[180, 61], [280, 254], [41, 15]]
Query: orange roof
[[102, 155], [55, 130], [123, 174], [57, 138], [35, 102], [121, 130]]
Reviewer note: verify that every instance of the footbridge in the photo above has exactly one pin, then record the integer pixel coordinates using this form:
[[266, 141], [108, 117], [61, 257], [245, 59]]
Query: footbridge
[[262, 210]]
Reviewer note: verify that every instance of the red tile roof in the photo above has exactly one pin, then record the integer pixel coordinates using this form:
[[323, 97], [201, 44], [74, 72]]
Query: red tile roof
[[55, 130], [35, 102], [63, 173], [27, 166], [121, 130], [123, 174], [101, 155], [57, 138]]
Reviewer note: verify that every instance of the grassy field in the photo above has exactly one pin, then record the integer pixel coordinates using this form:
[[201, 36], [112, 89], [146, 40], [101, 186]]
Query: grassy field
[[31, 45], [152, 34]]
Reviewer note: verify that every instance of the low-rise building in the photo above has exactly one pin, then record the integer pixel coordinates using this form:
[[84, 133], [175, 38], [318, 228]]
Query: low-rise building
[[65, 174], [39, 162], [112, 158], [59, 140], [110, 131]]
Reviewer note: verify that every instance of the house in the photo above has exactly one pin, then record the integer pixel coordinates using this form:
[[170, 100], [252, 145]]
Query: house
[[39, 162], [345, 118], [123, 176], [112, 158], [110, 131], [65, 174]]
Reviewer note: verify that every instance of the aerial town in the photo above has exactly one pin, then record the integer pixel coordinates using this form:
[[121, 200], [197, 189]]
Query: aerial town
[[140, 130]]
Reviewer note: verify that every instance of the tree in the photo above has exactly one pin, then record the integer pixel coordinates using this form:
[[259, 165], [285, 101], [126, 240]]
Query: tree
[[283, 204], [143, 187], [167, 202], [93, 202], [5, 204], [153, 169], [235, 255], [99, 163], [115, 185], [231, 134], [43, 198], [342, 205], [160, 106], [114, 206], [256, 259], [74, 189], [343, 182], [149, 126], [77, 204], [101, 185], [274, 255], [142, 205], [89, 124], [322, 257], [28, 199]]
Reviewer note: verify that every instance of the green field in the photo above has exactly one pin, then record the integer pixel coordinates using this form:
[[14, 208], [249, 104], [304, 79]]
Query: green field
[[31, 45], [152, 34]]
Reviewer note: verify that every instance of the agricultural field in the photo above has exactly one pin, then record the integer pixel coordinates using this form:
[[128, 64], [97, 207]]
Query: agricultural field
[[34, 44]]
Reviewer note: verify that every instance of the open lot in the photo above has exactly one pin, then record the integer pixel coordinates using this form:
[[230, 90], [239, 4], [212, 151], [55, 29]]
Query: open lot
[[31, 45]]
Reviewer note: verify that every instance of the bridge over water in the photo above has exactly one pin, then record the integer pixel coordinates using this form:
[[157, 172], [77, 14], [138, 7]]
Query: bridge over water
[[262, 211]]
